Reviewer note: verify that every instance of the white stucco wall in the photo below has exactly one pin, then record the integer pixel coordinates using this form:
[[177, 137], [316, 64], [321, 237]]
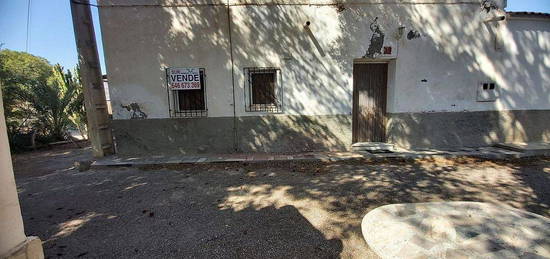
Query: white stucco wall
[[523, 67], [455, 52], [140, 42]]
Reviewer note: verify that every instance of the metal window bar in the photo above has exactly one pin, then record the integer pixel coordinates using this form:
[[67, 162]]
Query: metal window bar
[[190, 103], [264, 91]]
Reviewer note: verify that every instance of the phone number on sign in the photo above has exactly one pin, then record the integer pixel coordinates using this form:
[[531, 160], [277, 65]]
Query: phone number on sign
[[186, 85]]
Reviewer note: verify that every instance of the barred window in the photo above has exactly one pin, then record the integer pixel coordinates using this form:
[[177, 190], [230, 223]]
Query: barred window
[[263, 90], [190, 103]]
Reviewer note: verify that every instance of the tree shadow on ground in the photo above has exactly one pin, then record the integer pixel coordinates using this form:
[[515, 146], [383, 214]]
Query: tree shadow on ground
[[255, 210], [348, 191], [226, 39]]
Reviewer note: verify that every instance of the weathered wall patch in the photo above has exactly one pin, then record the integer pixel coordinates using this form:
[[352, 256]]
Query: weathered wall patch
[[376, 40], [413, 35], [135, 110]]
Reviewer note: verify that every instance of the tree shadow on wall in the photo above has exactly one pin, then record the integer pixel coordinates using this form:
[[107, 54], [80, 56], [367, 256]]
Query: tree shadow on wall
[[490, 51], [501, 52], [317, 81], [293, 133], [274, 36]]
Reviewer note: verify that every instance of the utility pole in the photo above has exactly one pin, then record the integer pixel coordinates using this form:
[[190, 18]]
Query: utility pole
[[99, 128]]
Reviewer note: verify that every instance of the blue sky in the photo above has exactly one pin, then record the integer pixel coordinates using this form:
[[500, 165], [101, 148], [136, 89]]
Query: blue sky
[[52, 36], [51, 29]]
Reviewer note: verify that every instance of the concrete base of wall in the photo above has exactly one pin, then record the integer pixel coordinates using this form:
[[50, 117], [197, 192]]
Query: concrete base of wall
[[30, 249], [294, 133], [299, 133], [470, 129], [273, 133], [174, 136]]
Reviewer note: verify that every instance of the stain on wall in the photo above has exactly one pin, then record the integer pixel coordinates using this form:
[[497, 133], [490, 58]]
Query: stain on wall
[[135, 110], [340, 7], [488, 5], [413, 35], [376, 41]]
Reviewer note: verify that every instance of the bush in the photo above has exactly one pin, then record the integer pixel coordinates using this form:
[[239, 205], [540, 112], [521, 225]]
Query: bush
[[39, 98]]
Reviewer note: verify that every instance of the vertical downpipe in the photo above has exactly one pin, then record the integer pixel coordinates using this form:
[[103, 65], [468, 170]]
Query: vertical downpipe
[[235, 145]]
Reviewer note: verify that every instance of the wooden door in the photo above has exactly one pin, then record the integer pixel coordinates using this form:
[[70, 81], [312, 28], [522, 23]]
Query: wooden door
[[369, 102]]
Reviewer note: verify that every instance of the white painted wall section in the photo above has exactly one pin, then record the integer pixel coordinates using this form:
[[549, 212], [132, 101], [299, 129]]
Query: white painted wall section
[[439, 71]]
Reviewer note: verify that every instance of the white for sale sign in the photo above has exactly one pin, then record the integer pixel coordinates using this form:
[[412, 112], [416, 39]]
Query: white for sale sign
[[184, 78]]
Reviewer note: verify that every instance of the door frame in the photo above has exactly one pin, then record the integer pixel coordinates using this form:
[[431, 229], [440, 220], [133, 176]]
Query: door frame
[[355, 96]]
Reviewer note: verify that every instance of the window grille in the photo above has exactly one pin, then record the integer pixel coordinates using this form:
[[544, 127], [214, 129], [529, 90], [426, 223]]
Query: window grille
[[189, 103], [263, 90]]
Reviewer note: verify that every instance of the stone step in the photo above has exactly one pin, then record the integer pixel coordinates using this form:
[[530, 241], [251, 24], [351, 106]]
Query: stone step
[[531, 148], [373, 147]]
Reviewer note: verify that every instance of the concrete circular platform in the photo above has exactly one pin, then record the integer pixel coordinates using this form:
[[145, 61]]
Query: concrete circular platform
[[456, 230]]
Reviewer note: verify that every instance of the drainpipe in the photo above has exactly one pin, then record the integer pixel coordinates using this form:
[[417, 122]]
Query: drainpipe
[[235, 139]]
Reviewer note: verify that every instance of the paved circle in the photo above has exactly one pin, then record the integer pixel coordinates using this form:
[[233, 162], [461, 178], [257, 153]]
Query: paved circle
[[456, 230]]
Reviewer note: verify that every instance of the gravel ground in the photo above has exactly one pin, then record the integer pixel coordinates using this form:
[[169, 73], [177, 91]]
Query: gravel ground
[[49, 161], [286, 209]]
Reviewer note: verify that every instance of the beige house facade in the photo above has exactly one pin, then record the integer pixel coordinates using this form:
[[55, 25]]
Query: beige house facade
[[208, 76]]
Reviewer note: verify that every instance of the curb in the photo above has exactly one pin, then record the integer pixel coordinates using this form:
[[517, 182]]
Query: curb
[[357, 156]]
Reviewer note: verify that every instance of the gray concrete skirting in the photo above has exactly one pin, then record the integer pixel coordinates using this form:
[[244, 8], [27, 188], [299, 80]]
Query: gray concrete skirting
[[294, 133], [272, 133], [467, 129], [173, 136], [300, 133]]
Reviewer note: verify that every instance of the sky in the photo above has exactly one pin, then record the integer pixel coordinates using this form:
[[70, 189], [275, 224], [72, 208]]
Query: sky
[[51, 32]]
